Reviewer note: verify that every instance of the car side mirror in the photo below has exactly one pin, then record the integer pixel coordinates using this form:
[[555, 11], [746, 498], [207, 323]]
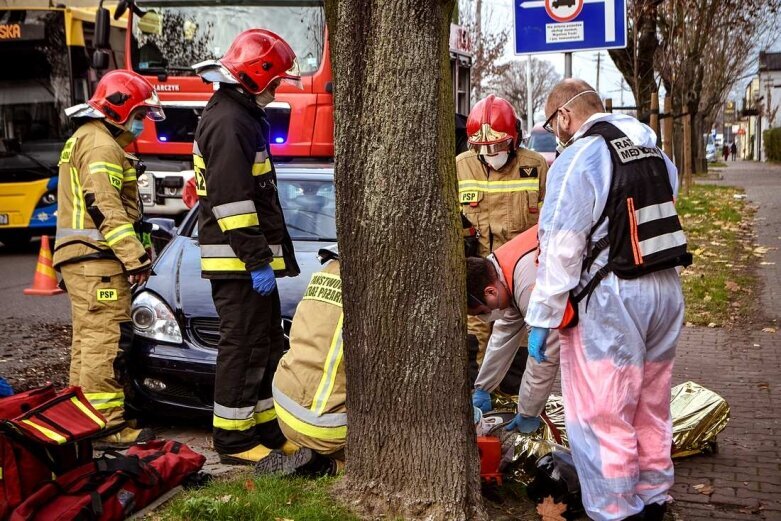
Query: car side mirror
[[163, 232]]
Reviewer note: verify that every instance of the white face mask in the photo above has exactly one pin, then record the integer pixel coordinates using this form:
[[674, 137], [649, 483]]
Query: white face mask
[[264, 98], [497, 161]]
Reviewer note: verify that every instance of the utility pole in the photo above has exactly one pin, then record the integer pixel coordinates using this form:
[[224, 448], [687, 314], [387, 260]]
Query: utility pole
[[599, 66], [567, 65], [478, 86], [622, 91]]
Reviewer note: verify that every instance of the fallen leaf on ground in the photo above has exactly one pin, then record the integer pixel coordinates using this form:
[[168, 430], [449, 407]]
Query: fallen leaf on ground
[[712, 324], [225, 499], [249, 485], [763, 386], [769, 330], [732, 286], [283, 519], [702, 488], [550, 510]]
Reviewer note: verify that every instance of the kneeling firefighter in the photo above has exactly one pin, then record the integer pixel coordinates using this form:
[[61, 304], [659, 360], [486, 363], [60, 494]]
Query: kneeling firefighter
[[243, 238], [310, 387], [99, 248]]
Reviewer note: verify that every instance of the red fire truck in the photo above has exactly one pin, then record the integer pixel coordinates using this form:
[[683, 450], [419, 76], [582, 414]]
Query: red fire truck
[[166, 37]]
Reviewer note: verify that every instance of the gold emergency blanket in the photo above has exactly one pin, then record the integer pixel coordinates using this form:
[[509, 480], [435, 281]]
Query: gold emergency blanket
[[698, 416]]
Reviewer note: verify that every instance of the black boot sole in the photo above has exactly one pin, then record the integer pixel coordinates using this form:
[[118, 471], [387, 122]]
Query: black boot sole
[[283, 464]]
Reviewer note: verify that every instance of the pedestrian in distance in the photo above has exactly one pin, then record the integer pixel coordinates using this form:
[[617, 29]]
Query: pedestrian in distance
[[501, 185], [243, 239], [101, 248], [610, 243], [725, 152], [499, 287], [733, 150]]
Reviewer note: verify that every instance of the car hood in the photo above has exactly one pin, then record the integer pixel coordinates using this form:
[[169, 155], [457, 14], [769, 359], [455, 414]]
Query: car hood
[[177, 278]]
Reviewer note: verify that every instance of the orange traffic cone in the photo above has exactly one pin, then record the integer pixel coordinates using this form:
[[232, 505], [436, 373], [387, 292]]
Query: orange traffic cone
[[45, 279]]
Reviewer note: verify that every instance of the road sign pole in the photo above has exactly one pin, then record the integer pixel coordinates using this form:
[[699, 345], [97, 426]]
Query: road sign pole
[[529, 104], [567, 64]]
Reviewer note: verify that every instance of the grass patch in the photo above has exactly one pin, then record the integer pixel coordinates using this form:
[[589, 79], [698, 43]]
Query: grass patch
[[717, 164], [245, 497], [720, 284]]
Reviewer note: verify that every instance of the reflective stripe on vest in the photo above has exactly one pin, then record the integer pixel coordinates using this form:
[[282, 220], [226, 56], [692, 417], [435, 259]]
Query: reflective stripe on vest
[[64, 233], [325, 287], [508, 254], [330, 369], [77, 219], [492, 187], [221, 257], [262, 163], [331, 426], [238, 214]]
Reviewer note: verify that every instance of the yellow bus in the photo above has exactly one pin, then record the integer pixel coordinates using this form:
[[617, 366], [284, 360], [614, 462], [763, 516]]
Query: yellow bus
[[46, 67]]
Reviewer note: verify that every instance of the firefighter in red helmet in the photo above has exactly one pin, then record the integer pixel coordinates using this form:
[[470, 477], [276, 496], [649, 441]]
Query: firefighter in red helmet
[[243, 238], [501, 184], [99, 248]]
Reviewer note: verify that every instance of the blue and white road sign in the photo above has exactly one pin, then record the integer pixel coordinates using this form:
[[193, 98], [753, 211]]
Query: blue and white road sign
[[569, 25]]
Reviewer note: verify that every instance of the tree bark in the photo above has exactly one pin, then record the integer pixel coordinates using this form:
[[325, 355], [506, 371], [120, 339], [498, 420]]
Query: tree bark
[[411, 441]]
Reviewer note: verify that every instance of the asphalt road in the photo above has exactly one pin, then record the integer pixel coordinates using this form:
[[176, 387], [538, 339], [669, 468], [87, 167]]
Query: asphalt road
[[16, 274]]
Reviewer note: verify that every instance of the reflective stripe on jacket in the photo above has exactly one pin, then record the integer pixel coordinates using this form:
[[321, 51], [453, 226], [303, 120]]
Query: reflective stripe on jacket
[[97, 200], [310, 385], [501, 204], [240, 222]]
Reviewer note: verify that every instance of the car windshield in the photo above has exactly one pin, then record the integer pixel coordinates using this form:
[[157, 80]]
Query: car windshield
[[309, 207], [542, 142], [173, 38]]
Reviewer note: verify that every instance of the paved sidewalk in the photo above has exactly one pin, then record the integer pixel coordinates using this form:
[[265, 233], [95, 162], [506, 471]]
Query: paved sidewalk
[[744, 366]]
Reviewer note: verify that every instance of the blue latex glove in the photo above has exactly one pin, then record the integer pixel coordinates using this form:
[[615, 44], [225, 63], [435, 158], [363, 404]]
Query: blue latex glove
[[537, 338], [482, 400], [263, 280], [525, 424]]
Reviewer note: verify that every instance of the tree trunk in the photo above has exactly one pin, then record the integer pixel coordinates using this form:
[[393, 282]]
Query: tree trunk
[[636, 61], [411, 440]]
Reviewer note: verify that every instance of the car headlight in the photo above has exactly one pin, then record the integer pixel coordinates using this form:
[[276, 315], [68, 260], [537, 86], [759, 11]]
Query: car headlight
[[152, 318]]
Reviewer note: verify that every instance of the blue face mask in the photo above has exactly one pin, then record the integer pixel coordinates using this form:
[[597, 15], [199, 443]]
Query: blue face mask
[[136, 127]]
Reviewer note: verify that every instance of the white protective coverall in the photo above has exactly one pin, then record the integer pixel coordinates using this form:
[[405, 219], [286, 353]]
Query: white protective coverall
[[616, 364], [509, 332]]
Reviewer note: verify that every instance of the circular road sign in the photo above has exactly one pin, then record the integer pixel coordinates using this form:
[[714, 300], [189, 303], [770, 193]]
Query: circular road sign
[[563, 10]]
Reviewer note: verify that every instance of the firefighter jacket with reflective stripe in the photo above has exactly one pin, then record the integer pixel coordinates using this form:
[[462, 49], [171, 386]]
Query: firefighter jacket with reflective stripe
[[98, 201], [240, 223], [644, 231], [310, 385], [501, 204]]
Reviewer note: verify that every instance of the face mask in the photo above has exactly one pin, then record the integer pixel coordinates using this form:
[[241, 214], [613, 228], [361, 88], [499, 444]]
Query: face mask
[[497, 161], [264, 98], [136, 127]]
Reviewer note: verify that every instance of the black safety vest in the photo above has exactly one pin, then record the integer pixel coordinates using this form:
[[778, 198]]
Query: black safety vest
[[644, 232]]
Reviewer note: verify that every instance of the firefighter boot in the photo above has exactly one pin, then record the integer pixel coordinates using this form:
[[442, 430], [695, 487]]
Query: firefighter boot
[[304, 462], [124, 439], [247, 457]]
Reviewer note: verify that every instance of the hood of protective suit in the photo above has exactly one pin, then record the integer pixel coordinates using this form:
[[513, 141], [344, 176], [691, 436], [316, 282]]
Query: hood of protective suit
[[640, 133]]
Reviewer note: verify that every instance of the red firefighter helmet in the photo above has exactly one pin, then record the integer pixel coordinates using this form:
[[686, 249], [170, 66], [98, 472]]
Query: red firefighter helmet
[[257, 57], [121, 92], [492, 126]]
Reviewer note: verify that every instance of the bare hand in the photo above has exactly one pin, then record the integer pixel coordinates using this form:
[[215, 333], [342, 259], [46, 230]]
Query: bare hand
[[138, 278]]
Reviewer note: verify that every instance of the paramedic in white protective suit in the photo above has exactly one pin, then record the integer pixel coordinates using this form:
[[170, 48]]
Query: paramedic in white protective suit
[[610, 241]]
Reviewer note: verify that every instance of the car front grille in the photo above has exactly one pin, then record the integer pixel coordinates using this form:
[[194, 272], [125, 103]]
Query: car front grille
[[206, 331]]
